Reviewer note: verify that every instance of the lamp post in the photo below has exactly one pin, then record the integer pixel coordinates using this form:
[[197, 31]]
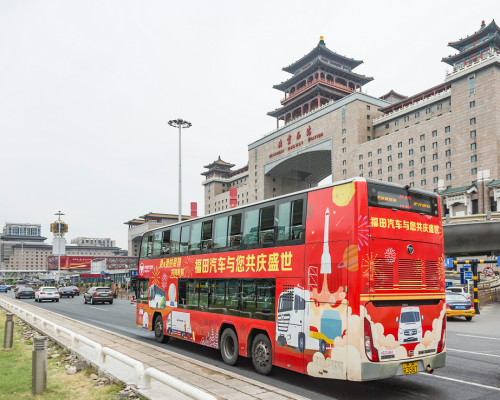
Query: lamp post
[[180, 123], [59, 213]]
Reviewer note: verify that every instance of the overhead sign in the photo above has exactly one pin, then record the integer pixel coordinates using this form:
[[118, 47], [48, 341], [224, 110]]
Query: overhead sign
[[468, 275], [448, 262]]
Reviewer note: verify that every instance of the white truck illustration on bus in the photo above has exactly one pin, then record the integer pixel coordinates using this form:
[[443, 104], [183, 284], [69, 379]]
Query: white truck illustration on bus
[[410, 325], [293, 323], [179, 323]]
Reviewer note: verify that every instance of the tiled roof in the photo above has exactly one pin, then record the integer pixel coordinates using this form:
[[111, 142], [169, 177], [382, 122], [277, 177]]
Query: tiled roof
[[457, 44], [456, 190], [495, 182]]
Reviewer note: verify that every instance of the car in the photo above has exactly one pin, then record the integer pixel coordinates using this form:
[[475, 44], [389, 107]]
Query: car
[[47, 293], [4, 288], [22, 287], [25, 293], [76, 290], [458, 305], [67, 291], [98, 295], [458, 290]]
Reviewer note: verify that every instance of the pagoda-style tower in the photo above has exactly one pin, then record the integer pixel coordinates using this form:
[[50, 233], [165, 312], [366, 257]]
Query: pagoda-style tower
[[217, 169], [318, 77], [475, 47]]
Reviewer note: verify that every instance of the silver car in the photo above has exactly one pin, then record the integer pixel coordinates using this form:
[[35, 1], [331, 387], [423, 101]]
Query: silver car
[[98, 295]]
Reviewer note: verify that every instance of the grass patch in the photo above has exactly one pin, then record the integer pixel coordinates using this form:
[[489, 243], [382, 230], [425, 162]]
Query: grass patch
[[15, 373]]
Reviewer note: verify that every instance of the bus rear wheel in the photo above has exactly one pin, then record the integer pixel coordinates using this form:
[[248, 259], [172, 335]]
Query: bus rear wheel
[[160, 337], [262, 354], [229, 346]]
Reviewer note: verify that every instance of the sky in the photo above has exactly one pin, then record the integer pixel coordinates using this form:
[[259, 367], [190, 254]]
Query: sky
[[87, 89]]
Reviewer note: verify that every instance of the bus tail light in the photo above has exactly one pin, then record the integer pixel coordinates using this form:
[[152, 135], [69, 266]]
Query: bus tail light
[[371, 351], [440, 346]]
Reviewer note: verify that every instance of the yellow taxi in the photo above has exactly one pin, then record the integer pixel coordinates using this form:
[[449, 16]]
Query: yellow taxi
[[458, 305]]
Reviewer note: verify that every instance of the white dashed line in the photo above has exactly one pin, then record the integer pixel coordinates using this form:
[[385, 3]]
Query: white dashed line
[[458, 380], [97, 308], [474, 352]]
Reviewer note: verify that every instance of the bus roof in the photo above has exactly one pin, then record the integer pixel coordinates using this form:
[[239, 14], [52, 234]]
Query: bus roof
[[356, 179]]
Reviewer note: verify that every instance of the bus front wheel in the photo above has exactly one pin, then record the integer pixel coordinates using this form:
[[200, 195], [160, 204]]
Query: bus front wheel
[[262, 354], [229, 346], [160, 337]]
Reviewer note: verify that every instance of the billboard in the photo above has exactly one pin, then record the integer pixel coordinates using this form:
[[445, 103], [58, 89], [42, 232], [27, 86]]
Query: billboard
[[70, 263], [84, 263]]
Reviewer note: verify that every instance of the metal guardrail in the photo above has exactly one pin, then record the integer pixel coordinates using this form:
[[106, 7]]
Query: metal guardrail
[[143, 376]]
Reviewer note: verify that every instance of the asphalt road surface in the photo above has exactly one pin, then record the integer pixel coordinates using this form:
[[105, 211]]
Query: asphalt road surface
[[472, 365]]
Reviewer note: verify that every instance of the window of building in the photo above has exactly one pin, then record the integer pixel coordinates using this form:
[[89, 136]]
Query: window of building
[[473, 159], [472, 104], [389, 179], [380, 172], [389, 158], [343, 150], [344, 162], [361, 156], [448, 165], [400, 166], [423, 182], [472, 121], [422, 137], [435, 156], [473, 146], [410, 141], [367, 117], [370, 174], [344, 171], [343, 140], [422, 171], [361, 166], [428, 111], [435, 179], [368, 138], [343, 131], [447, 141], [448, 177], [389, 168], [412, 184], [379, 161], [369, 154], [411, 163], [400, 144], [422, 159], [422, 148], [417, 114], [412, 174], [370, 164], [472, 85], [386, 126], [410, 152], [448, 153], [400, 155], [389, 148], [434, 133], [367, 107], [396, 122], [400, 176], [439, 106], [447, 129], [379, 151], [472, 133], [435, 168], [407, 118], [473, 171]]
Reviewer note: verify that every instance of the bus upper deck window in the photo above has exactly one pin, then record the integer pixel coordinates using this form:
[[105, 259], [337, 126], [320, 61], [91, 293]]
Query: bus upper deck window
[[251, 227], [157, 243], [184, 243], [147, 246], [175, 240], [266, 232], [195, 243], [234, 230], [220, 237], [165, 247], [284, 221], [297, 211], [206, 241]]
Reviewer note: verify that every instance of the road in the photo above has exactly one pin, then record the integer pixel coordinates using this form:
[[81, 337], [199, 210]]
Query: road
[[472, 366]]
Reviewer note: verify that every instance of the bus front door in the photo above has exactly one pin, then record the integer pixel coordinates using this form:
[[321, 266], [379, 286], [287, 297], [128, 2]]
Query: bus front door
[[290, 335]]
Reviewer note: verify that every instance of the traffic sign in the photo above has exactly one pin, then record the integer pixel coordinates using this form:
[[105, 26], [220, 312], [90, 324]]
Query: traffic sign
[[448, 262], [448, 284], [488, 271], [468, 275]]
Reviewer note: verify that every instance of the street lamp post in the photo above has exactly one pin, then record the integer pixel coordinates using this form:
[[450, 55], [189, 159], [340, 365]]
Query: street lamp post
[[180, 123], [59, 213]]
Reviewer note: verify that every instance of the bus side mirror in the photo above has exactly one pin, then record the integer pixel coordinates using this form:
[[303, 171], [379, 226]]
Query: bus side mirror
[[397, 320]]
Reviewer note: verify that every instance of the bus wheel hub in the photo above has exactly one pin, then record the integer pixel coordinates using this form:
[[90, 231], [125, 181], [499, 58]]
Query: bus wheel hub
[[261, 354]]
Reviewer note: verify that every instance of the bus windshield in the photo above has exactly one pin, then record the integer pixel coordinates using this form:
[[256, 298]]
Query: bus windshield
[[402, 199]]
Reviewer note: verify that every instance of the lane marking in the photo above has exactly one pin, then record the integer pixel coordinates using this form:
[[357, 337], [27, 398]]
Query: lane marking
[[97, 308], [481, 337], [458, 380], [474, 352]]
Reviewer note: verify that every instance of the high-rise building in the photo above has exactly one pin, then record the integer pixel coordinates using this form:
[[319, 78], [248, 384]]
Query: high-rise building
[[17, 234]]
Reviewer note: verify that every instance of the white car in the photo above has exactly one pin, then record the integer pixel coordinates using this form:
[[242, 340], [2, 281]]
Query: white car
[[47, 293], [458, 290]]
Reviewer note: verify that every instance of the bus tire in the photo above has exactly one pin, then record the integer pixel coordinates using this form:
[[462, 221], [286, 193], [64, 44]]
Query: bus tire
[[229, 346], [160, 337], [262, 357], [301, 342], [322, 346]]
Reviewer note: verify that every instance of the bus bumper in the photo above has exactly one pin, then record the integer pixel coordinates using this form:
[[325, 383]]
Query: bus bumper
[[387, 369]]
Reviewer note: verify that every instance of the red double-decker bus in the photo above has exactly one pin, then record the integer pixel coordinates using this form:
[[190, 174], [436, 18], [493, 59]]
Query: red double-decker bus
[[344, 281]]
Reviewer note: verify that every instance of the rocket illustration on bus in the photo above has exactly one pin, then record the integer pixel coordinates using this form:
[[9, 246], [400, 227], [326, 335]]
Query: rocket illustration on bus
[[294, 313]]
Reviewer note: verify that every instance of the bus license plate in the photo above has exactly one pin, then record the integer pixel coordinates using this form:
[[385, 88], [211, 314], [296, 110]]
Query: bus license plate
[[410, 368]]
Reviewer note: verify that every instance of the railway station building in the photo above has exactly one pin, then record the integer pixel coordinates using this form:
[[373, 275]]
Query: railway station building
[[443, 139]]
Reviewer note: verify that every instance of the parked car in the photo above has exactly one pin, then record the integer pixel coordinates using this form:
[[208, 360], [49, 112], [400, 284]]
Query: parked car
[[47, 293], [458, 290], [76, 290], [17, 287], [98, 295], [25, 293], [4, 288], [458, 305], [67, 291]]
